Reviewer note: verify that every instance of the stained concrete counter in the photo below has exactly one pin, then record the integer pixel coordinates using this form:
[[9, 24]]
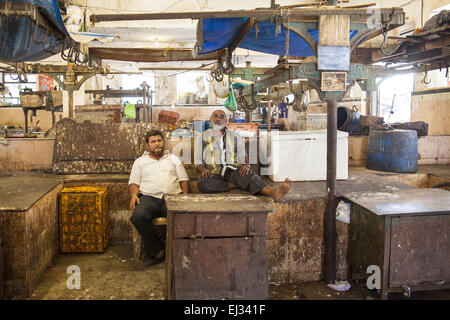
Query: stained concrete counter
[[357, 181], [20, 190]]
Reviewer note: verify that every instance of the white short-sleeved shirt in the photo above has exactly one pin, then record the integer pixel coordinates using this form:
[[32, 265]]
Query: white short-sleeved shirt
[[158, 177]]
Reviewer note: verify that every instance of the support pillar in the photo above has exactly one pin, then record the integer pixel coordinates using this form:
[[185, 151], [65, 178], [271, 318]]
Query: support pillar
[[71, 108], [144, 103], [330, 211], [372, 102]]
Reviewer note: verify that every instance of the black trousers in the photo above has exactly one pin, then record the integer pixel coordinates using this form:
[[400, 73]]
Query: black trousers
[[252, 182], [142, 217]]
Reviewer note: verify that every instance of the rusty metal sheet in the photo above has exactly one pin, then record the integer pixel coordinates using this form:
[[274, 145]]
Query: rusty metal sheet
[[366, 241], [420, 250], [219, 225], [223, 268], [399, 202], [98, 147]]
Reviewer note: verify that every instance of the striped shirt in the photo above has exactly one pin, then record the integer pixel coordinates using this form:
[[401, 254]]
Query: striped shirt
[[220, 153]]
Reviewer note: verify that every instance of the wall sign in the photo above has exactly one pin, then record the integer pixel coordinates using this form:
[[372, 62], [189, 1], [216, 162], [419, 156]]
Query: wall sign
[[333, 58], [333, 81]]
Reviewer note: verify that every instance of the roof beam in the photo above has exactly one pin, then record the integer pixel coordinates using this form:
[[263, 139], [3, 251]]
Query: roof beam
[[257, 13], [152, 55]]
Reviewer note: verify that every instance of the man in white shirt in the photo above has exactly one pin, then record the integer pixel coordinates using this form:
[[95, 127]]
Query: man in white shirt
[[221, 168], [153, 175]]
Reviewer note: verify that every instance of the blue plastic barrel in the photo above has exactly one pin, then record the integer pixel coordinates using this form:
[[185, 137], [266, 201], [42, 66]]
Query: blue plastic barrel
[[392, 150], [348, 119]]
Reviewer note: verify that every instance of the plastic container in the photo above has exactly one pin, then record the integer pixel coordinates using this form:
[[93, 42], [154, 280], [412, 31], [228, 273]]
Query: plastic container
[[301, 155], [348, 119]]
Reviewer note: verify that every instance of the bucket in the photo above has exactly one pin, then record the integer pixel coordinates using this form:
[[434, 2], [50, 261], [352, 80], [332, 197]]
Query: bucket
[[392, 150], [347, 119]]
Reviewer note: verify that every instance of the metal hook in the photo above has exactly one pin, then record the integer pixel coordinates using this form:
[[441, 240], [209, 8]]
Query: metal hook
[[425, 77], [42, 31], [48, 49]]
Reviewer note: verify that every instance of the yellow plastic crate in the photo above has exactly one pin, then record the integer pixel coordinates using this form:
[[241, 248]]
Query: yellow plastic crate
[[83, 219]]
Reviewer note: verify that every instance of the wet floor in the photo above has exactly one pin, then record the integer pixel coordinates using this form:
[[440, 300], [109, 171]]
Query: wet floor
[[116, 275]]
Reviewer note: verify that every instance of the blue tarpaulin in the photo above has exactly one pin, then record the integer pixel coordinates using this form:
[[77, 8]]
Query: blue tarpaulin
[[17, 33], [219, 33]]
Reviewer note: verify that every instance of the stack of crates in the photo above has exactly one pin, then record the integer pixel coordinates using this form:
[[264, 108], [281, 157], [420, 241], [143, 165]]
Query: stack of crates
[[83, 219]]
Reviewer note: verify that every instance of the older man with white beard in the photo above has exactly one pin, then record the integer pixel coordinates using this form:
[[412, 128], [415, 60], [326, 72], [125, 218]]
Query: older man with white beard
[[220, 169]]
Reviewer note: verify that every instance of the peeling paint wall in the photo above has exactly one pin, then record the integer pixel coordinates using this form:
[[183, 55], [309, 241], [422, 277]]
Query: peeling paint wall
[[434, 109], [295, 242], [26, 154]]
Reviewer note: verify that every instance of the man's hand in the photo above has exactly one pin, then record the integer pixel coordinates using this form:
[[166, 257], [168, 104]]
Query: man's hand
[[244, 170], [206, 174], [133, 201]]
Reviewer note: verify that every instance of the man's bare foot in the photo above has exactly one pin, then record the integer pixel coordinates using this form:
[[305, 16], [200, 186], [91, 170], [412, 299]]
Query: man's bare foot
[[282, 190], [160, 254]]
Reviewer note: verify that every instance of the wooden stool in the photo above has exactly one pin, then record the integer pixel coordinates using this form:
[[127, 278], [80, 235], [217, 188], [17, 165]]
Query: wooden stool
[[160, 225]]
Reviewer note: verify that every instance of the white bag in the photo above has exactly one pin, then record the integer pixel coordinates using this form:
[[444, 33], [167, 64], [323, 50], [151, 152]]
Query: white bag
[[343, 212]]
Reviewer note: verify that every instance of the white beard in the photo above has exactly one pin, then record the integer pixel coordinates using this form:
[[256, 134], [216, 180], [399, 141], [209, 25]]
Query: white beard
[[218, 127]]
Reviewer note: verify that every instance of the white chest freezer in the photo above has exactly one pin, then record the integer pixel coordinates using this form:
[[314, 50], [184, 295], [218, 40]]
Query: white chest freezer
[[301, 155]]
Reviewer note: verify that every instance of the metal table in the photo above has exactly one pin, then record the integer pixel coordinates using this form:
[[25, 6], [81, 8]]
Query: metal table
[[406, 234]]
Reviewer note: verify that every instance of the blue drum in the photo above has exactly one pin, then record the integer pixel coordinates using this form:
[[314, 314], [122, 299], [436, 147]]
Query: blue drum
[[392, 150]]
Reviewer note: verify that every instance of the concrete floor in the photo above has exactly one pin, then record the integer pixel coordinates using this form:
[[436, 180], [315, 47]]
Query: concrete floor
[[116, 275]]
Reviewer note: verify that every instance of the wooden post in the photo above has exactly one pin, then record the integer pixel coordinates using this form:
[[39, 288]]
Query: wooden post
[[334, 31]]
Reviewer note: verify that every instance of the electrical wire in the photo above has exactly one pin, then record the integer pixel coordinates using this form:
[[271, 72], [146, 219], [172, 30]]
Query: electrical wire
[[181, 72]]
